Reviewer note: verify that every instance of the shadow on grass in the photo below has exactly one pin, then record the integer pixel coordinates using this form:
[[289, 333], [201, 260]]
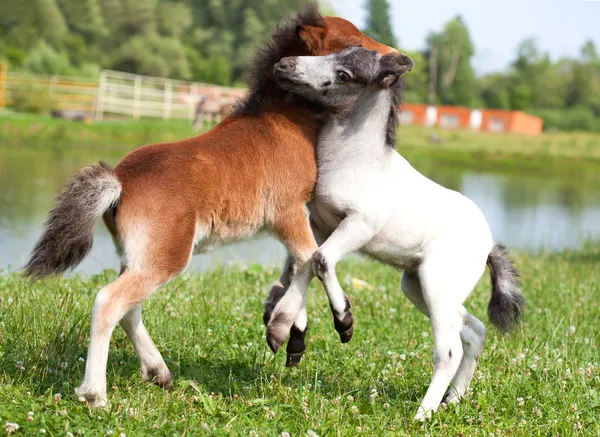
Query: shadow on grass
[[59, 363]]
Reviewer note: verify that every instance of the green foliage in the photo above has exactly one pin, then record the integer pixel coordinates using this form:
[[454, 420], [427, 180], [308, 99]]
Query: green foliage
[[212, 69], [43, 59], [379, 23], [84, 17], [32, 98], [49, 21], [571, 119], [449, 63], [415, 90], [153, 55]]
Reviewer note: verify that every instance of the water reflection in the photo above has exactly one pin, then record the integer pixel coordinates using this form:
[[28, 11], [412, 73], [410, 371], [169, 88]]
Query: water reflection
[[524, 211]]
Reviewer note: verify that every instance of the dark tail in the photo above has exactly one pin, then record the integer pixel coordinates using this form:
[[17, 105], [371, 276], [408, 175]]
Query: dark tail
[[69, 231], [506, 305]]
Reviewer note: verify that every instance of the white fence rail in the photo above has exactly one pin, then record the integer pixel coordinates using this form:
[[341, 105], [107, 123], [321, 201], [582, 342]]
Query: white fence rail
[[143, 96]]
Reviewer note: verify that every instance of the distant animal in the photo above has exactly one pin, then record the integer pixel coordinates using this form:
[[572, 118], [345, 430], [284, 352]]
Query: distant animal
[[199, 120], [70, 114], [369, 198], [164, 202]]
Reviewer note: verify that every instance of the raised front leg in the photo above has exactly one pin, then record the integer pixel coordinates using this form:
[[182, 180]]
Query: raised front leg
[[286, 315], [296, 343], [351, 234]]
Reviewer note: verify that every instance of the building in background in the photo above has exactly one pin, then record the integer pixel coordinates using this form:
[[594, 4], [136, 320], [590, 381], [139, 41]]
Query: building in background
[[458, 117]]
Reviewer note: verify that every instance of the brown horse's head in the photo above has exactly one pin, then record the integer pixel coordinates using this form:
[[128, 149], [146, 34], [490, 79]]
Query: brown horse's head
[[308, 34], [333, 34]]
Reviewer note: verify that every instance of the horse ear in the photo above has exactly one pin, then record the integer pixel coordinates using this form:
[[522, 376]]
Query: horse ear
[[312, 37]]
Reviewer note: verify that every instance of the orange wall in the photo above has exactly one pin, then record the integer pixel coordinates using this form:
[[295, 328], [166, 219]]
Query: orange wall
[[526, 124], [489, 116], [512, 121], [463, 114], [417, 110]]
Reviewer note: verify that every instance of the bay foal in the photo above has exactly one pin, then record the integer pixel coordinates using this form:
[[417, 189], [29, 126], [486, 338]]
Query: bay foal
[[369, 198], [165, 201]]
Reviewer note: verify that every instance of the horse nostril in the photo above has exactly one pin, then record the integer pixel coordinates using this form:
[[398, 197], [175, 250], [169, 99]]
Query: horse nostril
[[286, 65]]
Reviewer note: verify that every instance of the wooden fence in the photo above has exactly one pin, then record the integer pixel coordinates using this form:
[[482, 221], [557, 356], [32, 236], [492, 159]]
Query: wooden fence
[[143, 96], [74, 93], [123, 94]]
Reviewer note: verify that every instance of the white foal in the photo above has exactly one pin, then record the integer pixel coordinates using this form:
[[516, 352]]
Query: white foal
[[369, 198]]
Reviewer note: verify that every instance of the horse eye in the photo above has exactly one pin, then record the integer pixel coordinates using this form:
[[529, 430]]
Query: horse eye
[[343, 76]]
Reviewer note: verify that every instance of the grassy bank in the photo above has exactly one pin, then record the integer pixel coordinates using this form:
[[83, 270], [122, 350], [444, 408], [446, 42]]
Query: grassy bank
[[543, 380], [574, 155]]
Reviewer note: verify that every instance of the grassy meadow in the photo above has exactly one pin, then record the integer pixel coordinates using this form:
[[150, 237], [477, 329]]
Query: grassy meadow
[[544, 380]]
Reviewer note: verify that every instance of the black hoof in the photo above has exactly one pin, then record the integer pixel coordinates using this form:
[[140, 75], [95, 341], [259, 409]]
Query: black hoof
[[346, 336], [345, 327], [293, 360]]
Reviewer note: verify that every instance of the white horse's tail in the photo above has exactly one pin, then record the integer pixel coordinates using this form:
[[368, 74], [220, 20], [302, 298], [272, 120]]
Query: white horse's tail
[[506, 305]]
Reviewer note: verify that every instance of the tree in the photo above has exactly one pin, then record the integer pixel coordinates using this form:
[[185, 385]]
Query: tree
[[494, 91], [49, 21], [415, 82], [451, 76], [84, 17], [153, 55], [379, 26]]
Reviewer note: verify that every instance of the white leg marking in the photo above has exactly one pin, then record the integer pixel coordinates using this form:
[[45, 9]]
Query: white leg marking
[[472, 335], [93, 388], [152, 362]]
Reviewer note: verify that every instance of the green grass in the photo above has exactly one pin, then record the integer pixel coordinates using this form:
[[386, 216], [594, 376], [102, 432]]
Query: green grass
[[543, 380], [572, 155]]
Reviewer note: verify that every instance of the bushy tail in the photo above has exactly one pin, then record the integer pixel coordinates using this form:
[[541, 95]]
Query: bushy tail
[[506, 305], [69, 231]]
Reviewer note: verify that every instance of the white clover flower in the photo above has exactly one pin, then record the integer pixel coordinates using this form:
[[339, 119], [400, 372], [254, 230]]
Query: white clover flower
[[11, 427]]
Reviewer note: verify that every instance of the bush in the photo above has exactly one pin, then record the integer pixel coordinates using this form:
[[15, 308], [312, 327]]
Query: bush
[[571, 119], [32, 98], [13, 56], [217, 70], [43, 59]]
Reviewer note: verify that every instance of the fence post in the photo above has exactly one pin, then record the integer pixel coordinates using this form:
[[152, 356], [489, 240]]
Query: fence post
[[100, 96], [137, 97], [192, 101], [167, 97], [3, 69]]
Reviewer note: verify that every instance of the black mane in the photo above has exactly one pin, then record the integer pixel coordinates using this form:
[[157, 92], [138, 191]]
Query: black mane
[[284, 42], [396, 93]]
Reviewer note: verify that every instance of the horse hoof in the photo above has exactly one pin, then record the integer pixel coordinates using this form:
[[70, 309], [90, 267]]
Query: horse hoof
[[93, 398], [293, 360], [346, 336]]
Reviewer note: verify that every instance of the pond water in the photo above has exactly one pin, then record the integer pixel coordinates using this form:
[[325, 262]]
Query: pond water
[[525, 212]]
